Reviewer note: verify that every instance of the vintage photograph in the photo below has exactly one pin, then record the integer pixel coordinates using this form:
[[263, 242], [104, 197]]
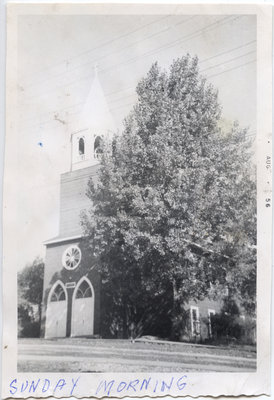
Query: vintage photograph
[[137, 201], [137, 208]]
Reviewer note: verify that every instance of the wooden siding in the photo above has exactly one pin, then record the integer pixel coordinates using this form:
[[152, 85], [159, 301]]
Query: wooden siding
[[204, 306], [73, 199]]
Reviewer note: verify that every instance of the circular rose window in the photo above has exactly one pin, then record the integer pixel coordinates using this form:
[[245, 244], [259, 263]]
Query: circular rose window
[[71, 257]]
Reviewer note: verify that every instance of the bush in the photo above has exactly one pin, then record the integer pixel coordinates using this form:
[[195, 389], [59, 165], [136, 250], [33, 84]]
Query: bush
[[27, 325], [228, 326], [31, 330]]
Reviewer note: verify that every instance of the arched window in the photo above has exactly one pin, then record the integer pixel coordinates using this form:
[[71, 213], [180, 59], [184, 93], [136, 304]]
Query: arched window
[[98, 147], [81, 146], [84, 290], [58, 294]]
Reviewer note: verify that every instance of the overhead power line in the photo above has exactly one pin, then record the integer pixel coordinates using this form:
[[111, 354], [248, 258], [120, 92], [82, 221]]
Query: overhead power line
[[185, 38], [228, 51], [78, 104], [222, 72], [109, 54], [190, 36], [228, 61], [133, 87], [131, 95], [231, 69], [100, 46]]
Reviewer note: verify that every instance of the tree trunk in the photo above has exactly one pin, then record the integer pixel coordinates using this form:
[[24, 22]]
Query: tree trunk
[[40, 317], [175, 311], [125, 333]]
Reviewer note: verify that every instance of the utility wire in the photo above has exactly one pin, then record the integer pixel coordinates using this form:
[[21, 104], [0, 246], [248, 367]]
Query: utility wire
[[133, 87], [102, 45], [228, 61], [174, 43], [231, 69], [128, 104], [81, 103], [132, 103], [222, 72], [131, 95], [109, 54], [192, 35], [228, 51]]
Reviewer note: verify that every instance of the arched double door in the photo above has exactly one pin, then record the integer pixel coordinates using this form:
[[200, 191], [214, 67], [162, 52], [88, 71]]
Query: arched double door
[[56, 315], [82, 316], [82, 310]]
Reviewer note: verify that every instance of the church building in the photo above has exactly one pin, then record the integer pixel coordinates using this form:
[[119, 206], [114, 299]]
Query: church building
[[72, 303], [71, 294]]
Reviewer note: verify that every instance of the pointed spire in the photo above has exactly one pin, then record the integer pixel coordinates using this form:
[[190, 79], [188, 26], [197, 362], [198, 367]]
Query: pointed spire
[[95, 113], [94, 123]]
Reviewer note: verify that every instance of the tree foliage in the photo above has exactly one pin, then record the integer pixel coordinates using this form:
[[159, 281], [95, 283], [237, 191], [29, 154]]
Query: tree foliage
[[30, 294], [173, 213], [230, 326]]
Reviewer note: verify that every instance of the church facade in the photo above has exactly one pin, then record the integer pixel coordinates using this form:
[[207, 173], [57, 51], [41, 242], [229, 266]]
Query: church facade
[[72, 285], [72, 294]]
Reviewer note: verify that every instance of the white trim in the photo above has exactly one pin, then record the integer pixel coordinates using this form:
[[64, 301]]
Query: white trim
[[53, 288], [60, 240], [84, 278], [81, 137], [79, 131], [191, 318], [73, 246], [210, 311], [59, 282]]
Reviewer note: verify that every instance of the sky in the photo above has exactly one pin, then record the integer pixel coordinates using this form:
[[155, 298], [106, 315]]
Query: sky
[[56, 60]]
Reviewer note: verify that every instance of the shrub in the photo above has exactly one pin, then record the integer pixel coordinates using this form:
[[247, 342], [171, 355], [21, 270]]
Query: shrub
[[27, 325], [228, 326]]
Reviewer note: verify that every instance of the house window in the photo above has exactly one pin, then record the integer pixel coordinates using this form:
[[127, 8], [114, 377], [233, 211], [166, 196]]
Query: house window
[[58, 294], [195, 321], [81, 147], [98, 147], [211, 313]]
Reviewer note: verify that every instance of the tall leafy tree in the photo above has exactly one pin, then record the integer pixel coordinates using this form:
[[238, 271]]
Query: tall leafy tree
[[173, 213], [30, 293]]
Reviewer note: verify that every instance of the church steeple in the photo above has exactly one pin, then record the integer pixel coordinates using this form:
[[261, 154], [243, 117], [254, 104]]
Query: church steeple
[[93, 124]]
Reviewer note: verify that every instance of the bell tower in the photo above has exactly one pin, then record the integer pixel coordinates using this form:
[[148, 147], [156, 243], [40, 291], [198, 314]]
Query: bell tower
[[72, 283], [93, 125]]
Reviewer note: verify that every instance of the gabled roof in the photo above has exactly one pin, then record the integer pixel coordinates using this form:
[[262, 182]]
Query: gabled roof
[[60, 239]]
